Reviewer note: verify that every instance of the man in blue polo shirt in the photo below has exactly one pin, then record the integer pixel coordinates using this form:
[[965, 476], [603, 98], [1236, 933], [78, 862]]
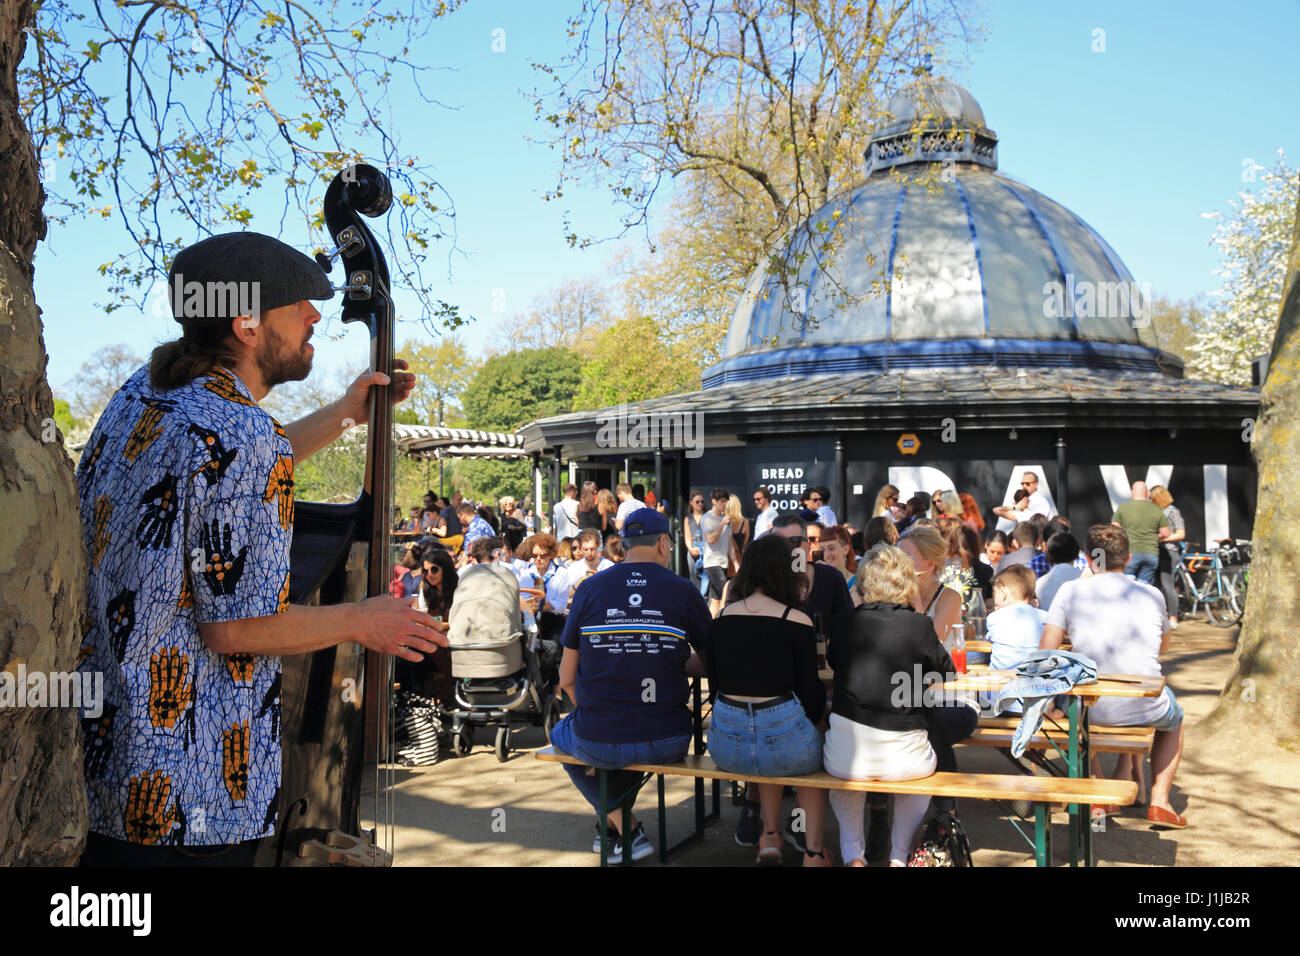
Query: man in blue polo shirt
[[627, 653]]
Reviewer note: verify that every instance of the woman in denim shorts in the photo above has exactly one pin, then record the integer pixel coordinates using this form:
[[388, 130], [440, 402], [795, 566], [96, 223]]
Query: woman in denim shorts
[[762, 661]]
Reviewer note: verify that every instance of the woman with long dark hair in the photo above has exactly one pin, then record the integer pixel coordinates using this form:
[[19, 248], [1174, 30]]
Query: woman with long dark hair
[[431, 676], [590, 514], [761, 655]]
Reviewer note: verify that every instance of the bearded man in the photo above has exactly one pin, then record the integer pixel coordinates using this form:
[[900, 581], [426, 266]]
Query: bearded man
[[186, 490]]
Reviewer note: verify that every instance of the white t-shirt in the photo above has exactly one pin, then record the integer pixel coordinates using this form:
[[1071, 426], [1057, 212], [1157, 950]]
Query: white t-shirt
[[625, 508], [579, 572], [1119, 622], [566, 519], [1037, 506], [763, 523], [1051, 582], [715, 555], [826, 517], [1014, 631]]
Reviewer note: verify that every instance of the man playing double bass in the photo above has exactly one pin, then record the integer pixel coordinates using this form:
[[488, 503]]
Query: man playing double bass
[[186, 489]]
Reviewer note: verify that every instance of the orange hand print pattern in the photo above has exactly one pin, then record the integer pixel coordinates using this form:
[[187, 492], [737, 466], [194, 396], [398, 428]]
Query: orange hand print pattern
[[222, 384], [147, 429], [103, 514], [279, 484], [170, 694], [148, 817], [234, 760], [283, 603], [240, 667]]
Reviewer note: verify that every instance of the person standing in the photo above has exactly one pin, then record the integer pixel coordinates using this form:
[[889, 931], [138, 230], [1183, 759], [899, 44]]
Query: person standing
[[766, 513], [1036, 505], [739, 528], [627, 503], [1170, 553], [566, 514], [630, 708], [590, 513], [820, 499], [1142, 522], [694, 538], [717, 547], [186, 503], [886, 499]]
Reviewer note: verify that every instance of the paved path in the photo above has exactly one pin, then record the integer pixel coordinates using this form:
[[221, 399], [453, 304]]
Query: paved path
[[474, 810]]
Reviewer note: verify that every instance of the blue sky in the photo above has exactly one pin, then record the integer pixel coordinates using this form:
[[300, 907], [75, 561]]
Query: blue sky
[[1138, 140]]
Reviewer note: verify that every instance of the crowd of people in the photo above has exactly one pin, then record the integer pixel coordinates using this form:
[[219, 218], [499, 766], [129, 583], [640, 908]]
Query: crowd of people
[[760, 602]]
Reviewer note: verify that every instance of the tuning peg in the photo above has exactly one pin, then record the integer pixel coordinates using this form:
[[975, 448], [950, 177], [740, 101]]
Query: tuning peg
[[348, 241]]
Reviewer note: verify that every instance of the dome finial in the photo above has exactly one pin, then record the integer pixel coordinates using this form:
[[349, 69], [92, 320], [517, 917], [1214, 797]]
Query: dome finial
[[932, 120]]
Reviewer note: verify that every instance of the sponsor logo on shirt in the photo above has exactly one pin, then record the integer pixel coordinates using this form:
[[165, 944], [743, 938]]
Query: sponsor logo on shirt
[[614, 612], [634, 599], [636, 583]]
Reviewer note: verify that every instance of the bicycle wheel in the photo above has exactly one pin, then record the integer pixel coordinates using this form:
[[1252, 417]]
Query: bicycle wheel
[[1234, 583], [1183, 588]]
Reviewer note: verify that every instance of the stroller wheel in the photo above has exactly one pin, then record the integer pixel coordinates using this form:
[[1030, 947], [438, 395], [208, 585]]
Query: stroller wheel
[[503, 743], [462, 740]]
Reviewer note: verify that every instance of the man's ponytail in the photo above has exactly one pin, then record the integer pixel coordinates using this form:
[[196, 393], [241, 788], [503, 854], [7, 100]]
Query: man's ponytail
[[195, 353]]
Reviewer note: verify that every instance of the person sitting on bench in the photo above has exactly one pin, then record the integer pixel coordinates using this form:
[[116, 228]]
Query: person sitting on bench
[[877, 727], [762, 662], [628, 648]]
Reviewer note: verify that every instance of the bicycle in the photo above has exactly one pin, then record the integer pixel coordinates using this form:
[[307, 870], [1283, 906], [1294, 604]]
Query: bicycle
[[1218, 599], [1234, 554]]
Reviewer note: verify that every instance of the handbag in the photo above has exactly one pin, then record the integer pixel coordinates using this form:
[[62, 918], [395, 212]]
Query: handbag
[[943, 842]]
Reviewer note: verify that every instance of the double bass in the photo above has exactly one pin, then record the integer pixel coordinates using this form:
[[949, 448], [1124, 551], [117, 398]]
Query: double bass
[[335, 702]]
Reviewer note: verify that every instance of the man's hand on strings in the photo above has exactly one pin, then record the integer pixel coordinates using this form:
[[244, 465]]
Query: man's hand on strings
[[354, 402]]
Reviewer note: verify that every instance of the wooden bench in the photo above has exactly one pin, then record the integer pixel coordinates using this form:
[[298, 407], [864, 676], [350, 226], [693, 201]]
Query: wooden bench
[[1051, 739], [1040, 791]]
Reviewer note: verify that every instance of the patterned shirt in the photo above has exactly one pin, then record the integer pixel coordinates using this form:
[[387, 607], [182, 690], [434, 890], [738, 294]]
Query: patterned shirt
[[1040, 564], [187, 515]]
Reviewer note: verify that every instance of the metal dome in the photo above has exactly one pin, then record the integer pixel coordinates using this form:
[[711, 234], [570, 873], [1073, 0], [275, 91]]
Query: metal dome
[[986, 271]]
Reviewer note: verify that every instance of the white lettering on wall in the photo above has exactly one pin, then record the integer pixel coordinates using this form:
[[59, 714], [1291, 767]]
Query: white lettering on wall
[[1216, 503], [1118, 487], [914, 478]]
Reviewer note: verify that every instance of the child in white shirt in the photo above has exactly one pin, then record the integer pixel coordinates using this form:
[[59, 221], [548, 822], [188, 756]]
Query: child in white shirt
[[1016, 626]]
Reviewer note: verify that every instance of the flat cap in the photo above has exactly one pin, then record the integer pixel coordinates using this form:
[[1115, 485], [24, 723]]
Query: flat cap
[[240, 273]]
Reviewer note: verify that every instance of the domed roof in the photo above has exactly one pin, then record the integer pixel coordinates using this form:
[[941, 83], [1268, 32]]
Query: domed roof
[[985, 270]]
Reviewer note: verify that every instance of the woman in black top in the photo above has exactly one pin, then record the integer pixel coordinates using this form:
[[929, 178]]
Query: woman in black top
[[589, 513], [762, 662], [878, 727]]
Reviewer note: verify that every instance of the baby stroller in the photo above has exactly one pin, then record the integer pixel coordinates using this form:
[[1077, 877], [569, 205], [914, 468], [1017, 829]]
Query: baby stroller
[[495, 662]]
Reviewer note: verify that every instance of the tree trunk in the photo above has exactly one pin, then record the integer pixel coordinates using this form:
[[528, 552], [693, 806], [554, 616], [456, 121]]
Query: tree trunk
[[1260, 704], [42, 561]]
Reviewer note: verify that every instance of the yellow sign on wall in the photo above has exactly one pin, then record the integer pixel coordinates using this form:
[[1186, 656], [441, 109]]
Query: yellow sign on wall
[[909, 444]]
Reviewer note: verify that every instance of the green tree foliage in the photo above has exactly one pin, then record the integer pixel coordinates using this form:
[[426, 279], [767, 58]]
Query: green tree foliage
[[630, 363], [1176, 324], [509, 391], [442, 370], [63, 418], [512, 390]]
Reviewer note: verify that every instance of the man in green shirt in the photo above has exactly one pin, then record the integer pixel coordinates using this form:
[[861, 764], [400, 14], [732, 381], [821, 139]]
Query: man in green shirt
[[1146, 526]]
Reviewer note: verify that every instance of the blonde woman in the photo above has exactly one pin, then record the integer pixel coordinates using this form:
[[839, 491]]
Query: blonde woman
[[928, 550], [875, 733], [608, 506], [739, 527], [886, 498]]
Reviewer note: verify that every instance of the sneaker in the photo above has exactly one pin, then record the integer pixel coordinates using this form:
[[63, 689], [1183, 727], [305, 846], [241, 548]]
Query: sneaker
[[793, 838], [641, 845], [749, 826]]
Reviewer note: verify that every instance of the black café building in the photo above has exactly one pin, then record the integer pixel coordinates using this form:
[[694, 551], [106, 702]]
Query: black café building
[[1011, 338]]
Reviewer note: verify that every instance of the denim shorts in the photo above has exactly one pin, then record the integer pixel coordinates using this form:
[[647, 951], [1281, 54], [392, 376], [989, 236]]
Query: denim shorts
[[777, 741], [1173, 716]]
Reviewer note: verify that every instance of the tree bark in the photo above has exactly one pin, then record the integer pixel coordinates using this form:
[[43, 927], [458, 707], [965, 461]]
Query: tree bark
[[1260, 703], [42, 560]]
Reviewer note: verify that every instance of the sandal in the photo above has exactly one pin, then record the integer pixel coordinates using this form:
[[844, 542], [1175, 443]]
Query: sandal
[[769, 849], [822, 857]]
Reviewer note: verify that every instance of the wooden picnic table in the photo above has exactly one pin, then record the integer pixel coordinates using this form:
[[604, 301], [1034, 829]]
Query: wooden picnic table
[[1078, 749]]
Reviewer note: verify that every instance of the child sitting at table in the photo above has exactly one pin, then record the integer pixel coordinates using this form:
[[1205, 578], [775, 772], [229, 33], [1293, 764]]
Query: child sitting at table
[[1016, 626]]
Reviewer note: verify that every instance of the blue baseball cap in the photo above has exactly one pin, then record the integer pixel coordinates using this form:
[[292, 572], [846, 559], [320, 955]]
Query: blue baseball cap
[[644, 521]]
